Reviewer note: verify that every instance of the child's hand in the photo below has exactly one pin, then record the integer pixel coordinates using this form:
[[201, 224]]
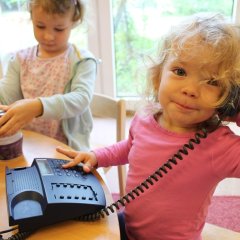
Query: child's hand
[[87, 158], [18, 114]]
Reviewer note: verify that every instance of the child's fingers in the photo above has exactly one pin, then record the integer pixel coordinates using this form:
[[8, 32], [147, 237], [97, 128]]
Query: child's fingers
[[67, 152], [77, 159], [87, 167], [70, 164], [4, 107]]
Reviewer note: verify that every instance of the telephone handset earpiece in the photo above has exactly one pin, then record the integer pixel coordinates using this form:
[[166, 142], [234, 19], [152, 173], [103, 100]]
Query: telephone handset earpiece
[[232, 106]]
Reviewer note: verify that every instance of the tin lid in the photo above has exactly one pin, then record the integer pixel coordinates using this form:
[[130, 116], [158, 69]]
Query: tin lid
[[10, 139]]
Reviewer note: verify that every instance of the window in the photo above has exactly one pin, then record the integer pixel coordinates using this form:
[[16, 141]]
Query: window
[[128, 31], [120, 32], [138, 26]]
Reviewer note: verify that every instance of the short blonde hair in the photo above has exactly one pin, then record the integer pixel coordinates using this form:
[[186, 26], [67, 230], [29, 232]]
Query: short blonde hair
[[61, 7], [214, 32]]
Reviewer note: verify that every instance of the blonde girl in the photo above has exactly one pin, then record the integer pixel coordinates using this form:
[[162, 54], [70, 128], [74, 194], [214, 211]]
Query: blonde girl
[[194, 86]]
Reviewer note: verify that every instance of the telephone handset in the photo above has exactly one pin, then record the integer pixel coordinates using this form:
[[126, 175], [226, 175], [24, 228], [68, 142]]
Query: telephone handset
[[232, 105]]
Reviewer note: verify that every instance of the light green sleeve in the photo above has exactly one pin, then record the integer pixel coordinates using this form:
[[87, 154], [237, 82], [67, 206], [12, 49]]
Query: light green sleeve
[[10, 88], [78, 93]]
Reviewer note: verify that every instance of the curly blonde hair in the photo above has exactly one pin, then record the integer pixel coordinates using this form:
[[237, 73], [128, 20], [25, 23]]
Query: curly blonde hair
[[213, 31], [61, 7]]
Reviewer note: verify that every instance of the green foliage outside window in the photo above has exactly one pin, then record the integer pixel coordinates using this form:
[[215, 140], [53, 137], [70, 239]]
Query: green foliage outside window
[[133, 40]]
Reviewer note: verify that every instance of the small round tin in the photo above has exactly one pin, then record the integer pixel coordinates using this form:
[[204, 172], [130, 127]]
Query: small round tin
[[11, 146]]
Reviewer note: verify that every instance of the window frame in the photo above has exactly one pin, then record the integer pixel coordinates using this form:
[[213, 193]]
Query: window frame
[[103, 48]]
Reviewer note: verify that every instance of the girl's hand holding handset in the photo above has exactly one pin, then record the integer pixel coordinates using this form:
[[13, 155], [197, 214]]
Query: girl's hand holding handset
[[87, 158]]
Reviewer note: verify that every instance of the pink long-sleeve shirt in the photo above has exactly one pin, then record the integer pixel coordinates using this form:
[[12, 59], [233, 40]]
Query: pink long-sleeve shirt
[[175, 207]]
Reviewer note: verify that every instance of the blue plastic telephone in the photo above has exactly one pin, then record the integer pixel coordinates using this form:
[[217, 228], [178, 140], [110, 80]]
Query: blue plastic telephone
[[45, 193]]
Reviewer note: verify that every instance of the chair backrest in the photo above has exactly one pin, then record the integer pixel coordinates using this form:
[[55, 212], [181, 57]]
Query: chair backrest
[[103, 106], [107, 107]]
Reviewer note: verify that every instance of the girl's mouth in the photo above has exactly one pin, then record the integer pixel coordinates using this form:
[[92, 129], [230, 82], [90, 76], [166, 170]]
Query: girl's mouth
[[185, 107]]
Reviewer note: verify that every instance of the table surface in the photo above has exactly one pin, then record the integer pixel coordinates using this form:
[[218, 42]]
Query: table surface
[[37, 145]]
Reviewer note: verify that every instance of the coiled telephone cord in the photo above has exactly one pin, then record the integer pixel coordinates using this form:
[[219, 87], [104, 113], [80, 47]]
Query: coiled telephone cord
[[17, 236], [148, 182], [20, 236]]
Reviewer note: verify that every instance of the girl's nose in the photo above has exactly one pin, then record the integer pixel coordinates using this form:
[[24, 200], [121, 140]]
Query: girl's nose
[[190, 90], [48, 36]]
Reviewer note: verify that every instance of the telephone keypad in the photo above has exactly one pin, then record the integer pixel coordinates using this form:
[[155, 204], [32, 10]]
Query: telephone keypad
[[57, 169]]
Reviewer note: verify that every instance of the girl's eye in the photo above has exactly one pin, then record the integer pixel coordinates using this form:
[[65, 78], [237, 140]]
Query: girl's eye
[[213, 82], [41, 27], [59, 30], [179, 72]]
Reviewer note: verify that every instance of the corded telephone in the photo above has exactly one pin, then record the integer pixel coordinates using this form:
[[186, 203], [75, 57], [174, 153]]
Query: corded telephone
[[45, 193], [231, 108], [48, 169]]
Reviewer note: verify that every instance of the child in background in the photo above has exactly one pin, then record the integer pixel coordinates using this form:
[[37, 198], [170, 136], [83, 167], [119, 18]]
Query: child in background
[[48, 88], [194, 85]]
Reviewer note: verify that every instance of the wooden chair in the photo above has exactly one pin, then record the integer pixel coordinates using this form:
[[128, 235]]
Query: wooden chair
[[106, 107]]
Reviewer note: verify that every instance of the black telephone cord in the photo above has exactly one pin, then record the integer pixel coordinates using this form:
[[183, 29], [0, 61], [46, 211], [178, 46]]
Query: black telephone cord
[[159, 173], [20, 236], [17, 236]]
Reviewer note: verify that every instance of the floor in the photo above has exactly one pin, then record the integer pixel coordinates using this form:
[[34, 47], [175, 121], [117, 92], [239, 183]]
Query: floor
[[107, 136]]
